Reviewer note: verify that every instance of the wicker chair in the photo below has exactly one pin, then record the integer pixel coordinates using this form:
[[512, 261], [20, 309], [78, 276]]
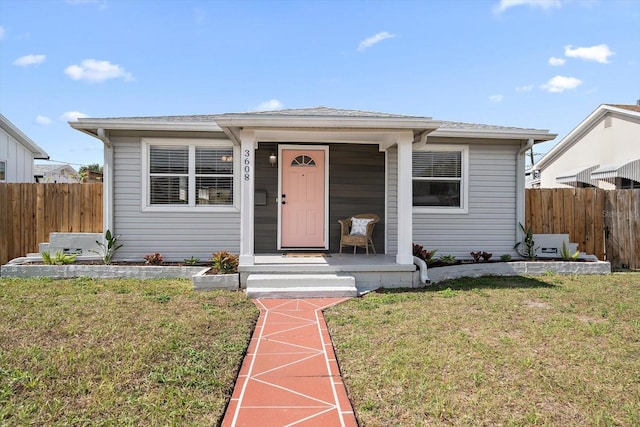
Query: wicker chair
[[355, 240]]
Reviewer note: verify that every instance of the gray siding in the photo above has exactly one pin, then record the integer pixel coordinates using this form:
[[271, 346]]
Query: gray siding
[[392, 201], [176, 235], [490, 222]]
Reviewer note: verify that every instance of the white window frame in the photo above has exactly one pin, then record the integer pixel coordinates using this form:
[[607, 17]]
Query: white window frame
[[191, 143], [464, 180], [4, 162]]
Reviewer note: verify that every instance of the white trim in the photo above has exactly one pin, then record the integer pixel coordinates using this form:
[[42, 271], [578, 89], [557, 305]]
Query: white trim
[[386, 202], [538, 135], [404, 254], [191, 144], [464, 181], [324, 148], [248, 147]]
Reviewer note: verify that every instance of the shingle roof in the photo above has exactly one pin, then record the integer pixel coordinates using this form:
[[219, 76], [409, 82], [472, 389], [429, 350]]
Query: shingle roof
[[309, 112], [43, 169], [479, 126], [196, 118], [298, 112], [327, 112]]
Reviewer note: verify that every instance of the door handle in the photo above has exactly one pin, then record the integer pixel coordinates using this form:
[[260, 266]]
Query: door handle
[[284, 202]]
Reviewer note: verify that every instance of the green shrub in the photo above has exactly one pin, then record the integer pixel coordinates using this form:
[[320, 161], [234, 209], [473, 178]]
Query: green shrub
[[58, 259], [224, 262]]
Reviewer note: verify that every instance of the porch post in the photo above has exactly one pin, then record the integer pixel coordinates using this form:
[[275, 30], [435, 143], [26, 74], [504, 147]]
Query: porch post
[[405, 200], [247, 185]]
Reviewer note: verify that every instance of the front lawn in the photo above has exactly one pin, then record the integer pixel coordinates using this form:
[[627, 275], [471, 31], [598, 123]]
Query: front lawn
[[118, 352], [554, 350]]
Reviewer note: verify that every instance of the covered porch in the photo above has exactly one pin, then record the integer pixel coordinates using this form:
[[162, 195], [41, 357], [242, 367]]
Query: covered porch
[[359, 175]]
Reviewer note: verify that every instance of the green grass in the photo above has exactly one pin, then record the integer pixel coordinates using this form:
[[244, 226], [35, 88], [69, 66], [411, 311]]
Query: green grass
[[118, 352], [555, 350]]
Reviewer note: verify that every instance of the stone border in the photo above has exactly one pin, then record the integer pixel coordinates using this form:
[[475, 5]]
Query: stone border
[[24, 268], [99, 271], [208, 282], [515, 268], [20, 267]]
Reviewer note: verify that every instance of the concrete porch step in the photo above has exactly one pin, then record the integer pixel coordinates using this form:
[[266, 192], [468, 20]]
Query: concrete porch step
[[301, 286]]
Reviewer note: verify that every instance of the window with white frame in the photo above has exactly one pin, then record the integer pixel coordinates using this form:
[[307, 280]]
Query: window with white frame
[[439, 178], [3, 171], [189, 174]]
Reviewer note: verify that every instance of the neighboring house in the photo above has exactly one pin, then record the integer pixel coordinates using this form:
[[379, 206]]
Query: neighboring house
[[269, 182], [55, 174], [17, 152], [603, 151]]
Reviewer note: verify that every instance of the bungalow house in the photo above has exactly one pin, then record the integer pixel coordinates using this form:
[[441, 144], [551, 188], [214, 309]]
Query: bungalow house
[[602, 151], [17, 152], [267, 183]]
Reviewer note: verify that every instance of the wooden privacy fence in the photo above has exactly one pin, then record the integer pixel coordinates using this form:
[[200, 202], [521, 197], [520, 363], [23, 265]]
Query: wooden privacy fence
[[29, 212], [605, 223]]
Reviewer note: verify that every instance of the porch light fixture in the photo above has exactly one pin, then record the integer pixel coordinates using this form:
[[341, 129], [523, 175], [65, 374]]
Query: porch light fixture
[[273, 159]]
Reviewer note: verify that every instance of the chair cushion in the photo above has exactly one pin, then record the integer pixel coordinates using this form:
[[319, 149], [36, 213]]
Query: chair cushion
[[359, 226]]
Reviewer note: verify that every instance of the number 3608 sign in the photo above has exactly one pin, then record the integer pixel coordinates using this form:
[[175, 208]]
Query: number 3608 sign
[[247, 165]]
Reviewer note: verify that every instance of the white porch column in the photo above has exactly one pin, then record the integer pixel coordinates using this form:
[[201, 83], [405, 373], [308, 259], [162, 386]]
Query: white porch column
[[405, 200], [247, 185]]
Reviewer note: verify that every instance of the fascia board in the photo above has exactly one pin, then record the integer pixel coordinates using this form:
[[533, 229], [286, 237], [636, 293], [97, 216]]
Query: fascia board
[[88, 125], [537, 136]]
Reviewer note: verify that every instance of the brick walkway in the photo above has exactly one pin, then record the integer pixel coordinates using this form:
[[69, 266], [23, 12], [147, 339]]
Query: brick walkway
[[289, 376]]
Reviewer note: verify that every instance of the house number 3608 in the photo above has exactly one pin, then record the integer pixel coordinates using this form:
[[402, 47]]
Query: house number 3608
[[247, 165]]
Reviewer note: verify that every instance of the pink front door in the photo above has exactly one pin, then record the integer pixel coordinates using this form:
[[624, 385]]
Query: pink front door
[[303, 198]]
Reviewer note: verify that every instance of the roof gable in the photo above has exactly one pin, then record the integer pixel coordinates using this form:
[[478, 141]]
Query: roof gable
[[23, 139], [578, 132]]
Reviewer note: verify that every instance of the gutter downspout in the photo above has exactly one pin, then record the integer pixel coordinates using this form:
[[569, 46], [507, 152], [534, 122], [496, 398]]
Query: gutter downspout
[[520, 187], [107, 182]]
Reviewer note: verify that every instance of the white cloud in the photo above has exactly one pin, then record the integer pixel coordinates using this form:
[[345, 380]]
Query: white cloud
[[525, 88], [2, 32], [25, 61], [270, 105], [72, 116], [93, 70], [542, 4], [494, 99], [599, 53], [370, 41], [43, 120], [556, 62], [559, 84]]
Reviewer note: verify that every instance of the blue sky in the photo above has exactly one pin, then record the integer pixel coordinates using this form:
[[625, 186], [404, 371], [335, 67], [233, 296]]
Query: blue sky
[[529, 63]]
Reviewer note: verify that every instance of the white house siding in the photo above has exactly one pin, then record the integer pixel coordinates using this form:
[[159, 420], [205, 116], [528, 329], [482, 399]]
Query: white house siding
[[490, 223], [599, 145], [175, 235], [19, 160]]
